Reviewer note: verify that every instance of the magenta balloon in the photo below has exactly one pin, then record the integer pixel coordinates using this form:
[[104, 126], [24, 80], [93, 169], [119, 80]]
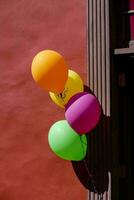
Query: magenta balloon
[[83, 112]]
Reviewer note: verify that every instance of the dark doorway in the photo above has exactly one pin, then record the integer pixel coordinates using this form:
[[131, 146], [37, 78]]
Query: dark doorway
[[125, 136]]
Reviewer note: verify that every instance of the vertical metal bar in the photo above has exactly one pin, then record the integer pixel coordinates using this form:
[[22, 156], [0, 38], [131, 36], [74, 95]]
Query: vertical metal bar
[[95, 67], [91, 49], [103, 35], [95, 42], [91, 72], [99, 77], [99, 50], [109, 186], [107, 59], [108, 90], [103, 80]]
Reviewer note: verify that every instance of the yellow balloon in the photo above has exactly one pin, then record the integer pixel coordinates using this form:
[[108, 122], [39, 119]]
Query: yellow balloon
[[73, 85]]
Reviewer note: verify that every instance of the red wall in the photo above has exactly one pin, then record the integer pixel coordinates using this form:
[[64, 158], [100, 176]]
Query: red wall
[[28, 168]]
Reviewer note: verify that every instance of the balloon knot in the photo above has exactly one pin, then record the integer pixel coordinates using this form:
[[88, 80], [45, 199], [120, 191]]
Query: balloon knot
[[61, 94]]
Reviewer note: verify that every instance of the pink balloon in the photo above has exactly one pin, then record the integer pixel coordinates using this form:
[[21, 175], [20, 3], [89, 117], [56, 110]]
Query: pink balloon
[[83, 112]]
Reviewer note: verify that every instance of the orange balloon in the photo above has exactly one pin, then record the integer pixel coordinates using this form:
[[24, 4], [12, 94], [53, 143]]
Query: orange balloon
[[50, 71]]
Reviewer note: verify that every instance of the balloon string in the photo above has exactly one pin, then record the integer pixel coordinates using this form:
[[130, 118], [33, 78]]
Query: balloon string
[[61, 97], [100, 197], [86, 167], [82, 144], [63, 94]]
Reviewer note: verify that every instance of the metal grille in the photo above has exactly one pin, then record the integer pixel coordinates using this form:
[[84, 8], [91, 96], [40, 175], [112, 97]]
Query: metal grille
[[99, 157]]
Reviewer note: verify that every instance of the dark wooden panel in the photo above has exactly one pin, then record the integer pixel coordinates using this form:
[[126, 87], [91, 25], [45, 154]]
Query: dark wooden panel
[[124, 136]]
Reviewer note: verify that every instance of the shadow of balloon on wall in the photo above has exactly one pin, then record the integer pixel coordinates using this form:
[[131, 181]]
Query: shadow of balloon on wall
[[93, 170]]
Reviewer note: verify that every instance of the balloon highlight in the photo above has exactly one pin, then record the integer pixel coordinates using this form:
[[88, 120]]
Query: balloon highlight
[[66, 143], [83, 112], [50, 71]]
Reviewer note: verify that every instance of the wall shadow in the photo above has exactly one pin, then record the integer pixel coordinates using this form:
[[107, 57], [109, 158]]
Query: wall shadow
[[92, 172]]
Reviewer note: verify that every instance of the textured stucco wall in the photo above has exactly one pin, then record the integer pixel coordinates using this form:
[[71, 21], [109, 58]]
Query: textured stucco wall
[[28, 168]]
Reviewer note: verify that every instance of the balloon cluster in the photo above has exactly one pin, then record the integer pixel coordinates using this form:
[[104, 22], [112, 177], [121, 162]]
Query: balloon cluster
[[67, 138]]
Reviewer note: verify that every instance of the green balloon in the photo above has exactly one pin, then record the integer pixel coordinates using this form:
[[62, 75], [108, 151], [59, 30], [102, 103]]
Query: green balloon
[[66, 143]]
